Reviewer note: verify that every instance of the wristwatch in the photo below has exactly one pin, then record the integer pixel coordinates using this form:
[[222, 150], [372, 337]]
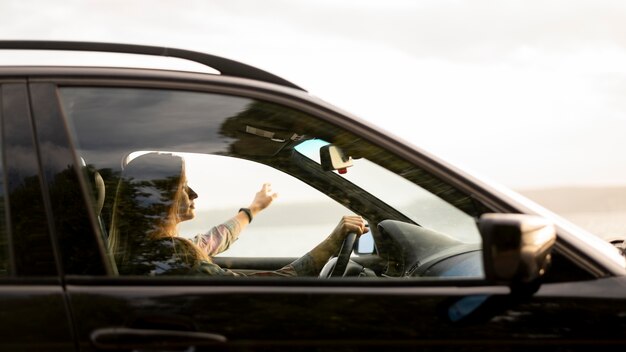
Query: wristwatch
[[248, 213]]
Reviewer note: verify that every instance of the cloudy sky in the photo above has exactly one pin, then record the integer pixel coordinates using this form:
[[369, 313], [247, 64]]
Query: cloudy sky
[[527, 93]]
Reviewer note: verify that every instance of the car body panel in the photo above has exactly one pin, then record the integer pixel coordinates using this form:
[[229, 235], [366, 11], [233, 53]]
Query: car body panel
[[34, 317], [276, 316]]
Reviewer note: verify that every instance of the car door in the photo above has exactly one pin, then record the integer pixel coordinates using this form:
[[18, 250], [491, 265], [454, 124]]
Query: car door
[[33, 308], [94, 125]]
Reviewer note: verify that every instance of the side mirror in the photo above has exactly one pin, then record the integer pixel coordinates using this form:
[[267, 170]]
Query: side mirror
[[516, 247], [333, 158], [365, 244]]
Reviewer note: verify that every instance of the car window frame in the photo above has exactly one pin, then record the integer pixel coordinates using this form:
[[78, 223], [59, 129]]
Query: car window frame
[[337, 181], [307, 104]]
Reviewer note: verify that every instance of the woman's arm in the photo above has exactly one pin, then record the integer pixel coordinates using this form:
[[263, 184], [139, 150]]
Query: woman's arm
[[313, 262], [262, 199], [219, 238]]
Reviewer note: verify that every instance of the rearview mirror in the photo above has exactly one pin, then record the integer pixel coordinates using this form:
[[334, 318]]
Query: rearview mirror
[[333, 158], [516, 247]]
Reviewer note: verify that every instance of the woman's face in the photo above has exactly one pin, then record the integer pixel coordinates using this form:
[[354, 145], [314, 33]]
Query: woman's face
[[186, 207]]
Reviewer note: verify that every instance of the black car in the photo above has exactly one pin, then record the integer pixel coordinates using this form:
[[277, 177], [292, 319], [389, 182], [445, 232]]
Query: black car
[[448, 262]]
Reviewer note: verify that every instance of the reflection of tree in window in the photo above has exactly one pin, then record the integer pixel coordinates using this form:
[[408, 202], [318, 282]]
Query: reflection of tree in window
[[31, 241], [277, 127], [136, 240], [74, 230], [284, 123]]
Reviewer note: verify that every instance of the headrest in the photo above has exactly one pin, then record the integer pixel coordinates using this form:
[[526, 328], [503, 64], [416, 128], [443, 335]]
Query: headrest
[[100, 192]]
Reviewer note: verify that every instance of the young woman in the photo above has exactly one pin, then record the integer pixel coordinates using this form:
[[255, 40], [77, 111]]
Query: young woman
[[153, 198]]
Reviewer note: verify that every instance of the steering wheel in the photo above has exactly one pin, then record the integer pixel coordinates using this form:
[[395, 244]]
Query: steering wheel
[[337, 266]]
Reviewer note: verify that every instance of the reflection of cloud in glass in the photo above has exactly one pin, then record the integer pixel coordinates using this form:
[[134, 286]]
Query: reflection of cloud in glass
[[102, 116]]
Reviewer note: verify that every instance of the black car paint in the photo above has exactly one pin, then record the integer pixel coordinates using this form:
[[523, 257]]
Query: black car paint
[[354, 315]]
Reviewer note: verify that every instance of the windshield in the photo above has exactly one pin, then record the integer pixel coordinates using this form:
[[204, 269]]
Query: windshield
[[415, 202]]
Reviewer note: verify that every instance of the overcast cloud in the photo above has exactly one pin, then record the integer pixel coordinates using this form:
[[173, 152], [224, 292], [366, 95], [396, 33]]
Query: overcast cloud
[[529, 93]]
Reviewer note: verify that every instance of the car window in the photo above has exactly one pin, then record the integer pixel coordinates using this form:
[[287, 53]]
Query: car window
[[179, 169], [25, 219], [297, 220], [420, 205]]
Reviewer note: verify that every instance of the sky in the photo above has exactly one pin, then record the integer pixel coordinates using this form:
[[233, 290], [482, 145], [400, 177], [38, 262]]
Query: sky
[[529, 94]]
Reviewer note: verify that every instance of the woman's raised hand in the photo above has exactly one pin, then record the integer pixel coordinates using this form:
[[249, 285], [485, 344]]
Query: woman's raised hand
[[263, 199]]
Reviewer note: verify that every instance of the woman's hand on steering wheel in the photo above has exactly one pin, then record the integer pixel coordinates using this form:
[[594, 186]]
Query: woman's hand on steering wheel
[[349, 224], [344, 236]]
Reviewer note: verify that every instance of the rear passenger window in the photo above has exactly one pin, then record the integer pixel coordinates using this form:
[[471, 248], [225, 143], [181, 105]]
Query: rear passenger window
[[26, 243]]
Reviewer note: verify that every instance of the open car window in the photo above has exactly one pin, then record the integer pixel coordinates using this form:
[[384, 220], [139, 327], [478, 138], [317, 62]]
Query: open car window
[[230, 146], [297, 220]]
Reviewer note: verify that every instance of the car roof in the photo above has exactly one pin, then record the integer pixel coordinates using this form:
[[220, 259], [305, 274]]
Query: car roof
[[226, 67]]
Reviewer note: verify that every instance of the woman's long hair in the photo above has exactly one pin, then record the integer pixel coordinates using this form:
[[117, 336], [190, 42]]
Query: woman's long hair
[[146, 212]]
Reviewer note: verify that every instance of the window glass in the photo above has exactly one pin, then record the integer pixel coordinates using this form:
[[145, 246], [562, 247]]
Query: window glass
[[420, 205], [177, 167], [26, 224]]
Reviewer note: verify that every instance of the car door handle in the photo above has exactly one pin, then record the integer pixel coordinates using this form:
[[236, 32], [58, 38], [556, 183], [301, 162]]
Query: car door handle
[[128, 338]]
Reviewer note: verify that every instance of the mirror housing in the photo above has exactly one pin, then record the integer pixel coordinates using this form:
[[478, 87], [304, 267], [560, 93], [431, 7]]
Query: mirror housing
[[333, 158], [516, 248]]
